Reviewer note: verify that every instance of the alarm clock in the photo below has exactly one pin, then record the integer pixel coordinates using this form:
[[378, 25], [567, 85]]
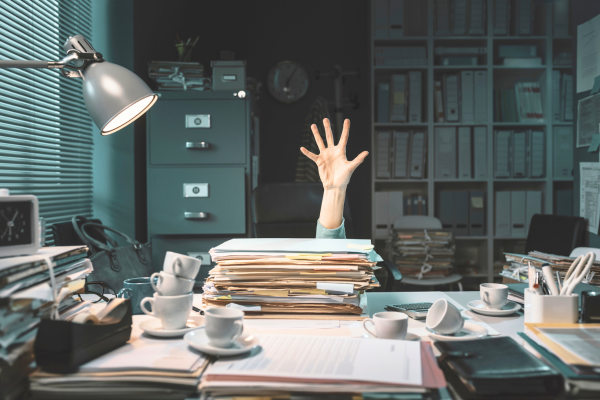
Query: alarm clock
[[19, 219], [287, 82]]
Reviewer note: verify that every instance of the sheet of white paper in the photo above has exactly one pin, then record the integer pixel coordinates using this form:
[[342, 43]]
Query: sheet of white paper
[[584, 343], [337, 358], [336, 287], [589, 174], [296, 246], [588, 119], [9, 262], [242, 307], [289, 324], [588, 54]]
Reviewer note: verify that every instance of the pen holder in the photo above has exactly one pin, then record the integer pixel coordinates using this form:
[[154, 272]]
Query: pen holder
[[551, 309]]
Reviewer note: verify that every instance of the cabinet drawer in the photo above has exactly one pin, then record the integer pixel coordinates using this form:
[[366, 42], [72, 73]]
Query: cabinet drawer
[[196, 201], [184, 132]]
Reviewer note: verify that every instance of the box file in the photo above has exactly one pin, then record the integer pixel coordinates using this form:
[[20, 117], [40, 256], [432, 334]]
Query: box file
[[564, 203], [467, 110], [418, 152], [534, 206], [414, 96], [503, 218], [517, 213], [383, 102], [383, 154], [537, 162], [447, 209], [563, 152], [442, 18], [519, 151], [477, 18], [561, 18], [396, 18], [464, 152], [439, 103], [502, 156], [381, 19], [451, 85], [480, 84], [396, 206], [445, 152], [524, 18], [480, 152], [476, 213], [461, 213], [459, 17], [501, 16], [382, 213], [399, 97], [401, 146], [556, 98]]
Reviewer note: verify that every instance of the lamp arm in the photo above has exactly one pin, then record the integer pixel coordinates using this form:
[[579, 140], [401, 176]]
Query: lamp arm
[[24, 64], [52, 64]]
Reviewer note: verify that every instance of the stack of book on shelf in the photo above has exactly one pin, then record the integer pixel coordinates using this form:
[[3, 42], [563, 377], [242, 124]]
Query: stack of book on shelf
[[26, 297], [521, 104], [461, 97], [400, 56], [396, 19], [403, 103], [425, 254], [401, 154], [176, 75], [460, 55], [459, 17], [562, 97], [304, 366], [517, 21], [291, 276], [519, 56]]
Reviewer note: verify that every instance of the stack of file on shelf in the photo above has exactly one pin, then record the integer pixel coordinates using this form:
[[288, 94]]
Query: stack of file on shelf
[[289, 365], [291, 276], [404, 102], [174, 75], [26, 298], [144, 368], [423, 253], [401, 154], [459, 17], [514, 211], [461, 98], [462, 156], [401, 56], [521, 104], [399, 18], [520, 154], [562, 97]]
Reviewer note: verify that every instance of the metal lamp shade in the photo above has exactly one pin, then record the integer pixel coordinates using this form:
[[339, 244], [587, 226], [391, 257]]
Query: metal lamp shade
[[114, 96]]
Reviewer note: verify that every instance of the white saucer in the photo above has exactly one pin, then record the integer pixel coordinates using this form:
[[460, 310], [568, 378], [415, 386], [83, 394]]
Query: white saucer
[[479, 307], [154, 327], [469, 331], [198, 340]]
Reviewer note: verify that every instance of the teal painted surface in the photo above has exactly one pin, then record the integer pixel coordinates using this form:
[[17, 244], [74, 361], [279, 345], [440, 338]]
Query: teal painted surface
[[114, 197], [169, 134]]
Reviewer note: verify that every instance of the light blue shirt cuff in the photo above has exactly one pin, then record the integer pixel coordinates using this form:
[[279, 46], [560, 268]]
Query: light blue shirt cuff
[[337, 233]]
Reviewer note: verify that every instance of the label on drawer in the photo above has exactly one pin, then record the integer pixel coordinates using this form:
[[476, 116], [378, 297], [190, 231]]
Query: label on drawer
[[205, 257], [197, 121], [195, 190]]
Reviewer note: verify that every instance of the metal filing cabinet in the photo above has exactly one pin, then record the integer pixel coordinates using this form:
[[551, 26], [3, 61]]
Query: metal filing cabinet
[[198, 173]]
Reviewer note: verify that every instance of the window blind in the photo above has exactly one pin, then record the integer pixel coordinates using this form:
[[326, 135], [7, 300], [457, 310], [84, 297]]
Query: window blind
[[46, 142]]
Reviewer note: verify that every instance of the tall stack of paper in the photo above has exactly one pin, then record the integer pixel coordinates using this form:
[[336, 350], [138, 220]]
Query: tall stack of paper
[[291, 276], [423, 254]]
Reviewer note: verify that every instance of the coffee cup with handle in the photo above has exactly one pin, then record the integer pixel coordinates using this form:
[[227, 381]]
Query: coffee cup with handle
[[170, 285], [173, 311], [223, 325], [493, 295], [443, 317], [181, 266], [388, 325], [136, 289]]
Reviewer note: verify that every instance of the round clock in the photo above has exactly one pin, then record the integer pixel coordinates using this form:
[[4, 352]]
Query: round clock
[[287, 82]]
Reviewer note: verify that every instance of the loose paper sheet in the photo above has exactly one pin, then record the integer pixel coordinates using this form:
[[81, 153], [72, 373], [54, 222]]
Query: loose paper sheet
[[588, 119], [589, 190], [588, 54], [584, 343]]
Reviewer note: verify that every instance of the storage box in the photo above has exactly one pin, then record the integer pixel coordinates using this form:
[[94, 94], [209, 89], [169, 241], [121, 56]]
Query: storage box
[[229, 75], [551, 309]]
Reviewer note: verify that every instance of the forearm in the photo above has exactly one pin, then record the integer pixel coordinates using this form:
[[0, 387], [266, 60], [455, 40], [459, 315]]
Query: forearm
[[332, 208]]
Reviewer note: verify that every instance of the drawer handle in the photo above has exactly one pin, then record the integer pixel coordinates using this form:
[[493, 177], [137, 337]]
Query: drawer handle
[[196, 215], [197, 145]]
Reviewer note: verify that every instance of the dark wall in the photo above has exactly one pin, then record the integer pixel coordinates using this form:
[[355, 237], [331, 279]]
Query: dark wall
[[315, 33]]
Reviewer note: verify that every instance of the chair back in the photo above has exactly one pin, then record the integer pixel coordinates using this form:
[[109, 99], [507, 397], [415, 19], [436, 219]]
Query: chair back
[[555, 234], [417, 222], [290, 210]]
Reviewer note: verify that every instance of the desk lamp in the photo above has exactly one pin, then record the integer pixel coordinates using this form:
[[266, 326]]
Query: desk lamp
[[114, 96]]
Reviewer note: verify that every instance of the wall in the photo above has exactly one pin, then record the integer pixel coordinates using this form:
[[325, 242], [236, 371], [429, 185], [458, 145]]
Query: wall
[[114, 197], [318, 34], [583, 10]]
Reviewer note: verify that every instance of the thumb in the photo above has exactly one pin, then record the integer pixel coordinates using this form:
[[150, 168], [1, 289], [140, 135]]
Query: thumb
[[359, 159]]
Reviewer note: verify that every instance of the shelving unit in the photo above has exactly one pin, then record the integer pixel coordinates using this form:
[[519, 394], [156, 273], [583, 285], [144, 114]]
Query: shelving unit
[[487, 249]]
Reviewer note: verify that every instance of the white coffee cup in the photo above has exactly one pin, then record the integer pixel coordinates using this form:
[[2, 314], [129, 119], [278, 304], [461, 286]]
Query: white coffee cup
[[388, 325], [493, 295], [170, 285], [181, 266], [444, 318], [223, 325], [173, 311]]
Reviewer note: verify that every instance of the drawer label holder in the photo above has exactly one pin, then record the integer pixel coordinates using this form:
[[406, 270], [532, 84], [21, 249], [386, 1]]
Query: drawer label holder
[[195, 190], [197, 121]]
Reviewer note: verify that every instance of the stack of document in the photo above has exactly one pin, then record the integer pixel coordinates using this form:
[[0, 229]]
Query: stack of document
[[299, 276], [558, 263], [289, 364], [26, 298], [174, 75], [423, 253]]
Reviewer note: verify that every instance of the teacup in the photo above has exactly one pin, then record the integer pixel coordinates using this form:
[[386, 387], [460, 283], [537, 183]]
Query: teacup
[[223, 325], [173, 311], [181, 266], [388, 325], [170, 285], [136, 289], [493, 295], [444, 318]]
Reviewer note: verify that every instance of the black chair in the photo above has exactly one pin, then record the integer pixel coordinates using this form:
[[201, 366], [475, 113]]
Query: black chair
[[291, 210], [64, 234], [555, 234]]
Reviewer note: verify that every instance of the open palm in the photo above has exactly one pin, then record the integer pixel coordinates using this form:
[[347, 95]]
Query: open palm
[[334, 169]]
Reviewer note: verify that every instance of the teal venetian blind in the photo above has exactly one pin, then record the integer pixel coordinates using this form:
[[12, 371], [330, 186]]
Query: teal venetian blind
[[46, 143]]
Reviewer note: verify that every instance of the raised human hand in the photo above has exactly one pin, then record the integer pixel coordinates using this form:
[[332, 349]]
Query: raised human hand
[[334, 169]]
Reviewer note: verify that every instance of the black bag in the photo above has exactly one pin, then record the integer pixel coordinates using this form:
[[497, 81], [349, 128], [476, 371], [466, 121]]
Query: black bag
[[113, 263]]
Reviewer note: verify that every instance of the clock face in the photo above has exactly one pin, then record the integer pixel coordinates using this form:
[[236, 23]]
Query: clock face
[[15, 223], [287, 82]]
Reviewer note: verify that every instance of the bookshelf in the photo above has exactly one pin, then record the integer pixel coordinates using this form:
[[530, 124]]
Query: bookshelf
[[477, 254]]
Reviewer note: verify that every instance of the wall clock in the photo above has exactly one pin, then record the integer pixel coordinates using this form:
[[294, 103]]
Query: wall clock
[[287, 82]]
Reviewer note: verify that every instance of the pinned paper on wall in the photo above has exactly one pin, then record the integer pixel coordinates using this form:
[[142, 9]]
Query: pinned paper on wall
[[588, 56], [588, 119], [589, 175]]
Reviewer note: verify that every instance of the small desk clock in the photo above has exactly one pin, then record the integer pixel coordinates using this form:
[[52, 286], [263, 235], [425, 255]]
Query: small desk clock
[[19, 219]]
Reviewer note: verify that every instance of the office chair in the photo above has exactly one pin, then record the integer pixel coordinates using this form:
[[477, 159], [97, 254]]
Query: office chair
[[64, 234], [555, 234], [291, 210]]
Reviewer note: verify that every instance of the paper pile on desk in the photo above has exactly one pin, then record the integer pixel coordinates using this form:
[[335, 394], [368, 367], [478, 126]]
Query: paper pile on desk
[[424, 254], [299, 276], [558, 263]]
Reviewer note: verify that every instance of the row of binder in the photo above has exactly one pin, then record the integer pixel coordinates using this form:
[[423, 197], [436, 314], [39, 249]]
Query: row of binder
[[459, 18], [399, 18], [462, 156], [463, 212], [401, 154], [401, 100], [509, 21], [461, 98], [519, 154], [393, 204], [514, 210], [523, 103], [562, 97]]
